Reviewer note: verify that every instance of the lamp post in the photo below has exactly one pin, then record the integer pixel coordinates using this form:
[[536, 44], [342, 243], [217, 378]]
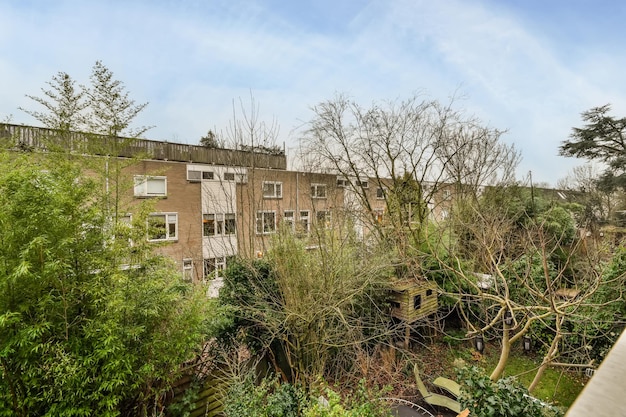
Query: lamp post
[[479, 343], [526, 342], [508, 318]]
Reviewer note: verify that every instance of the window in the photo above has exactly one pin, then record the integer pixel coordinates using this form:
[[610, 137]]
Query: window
[[446, 194], [195, 175], [208, 225], [289, 219], [417, 302], [318, 190], [163, 226], [429, 292], [304, 221], [342, 183], [229, 224], [380, 193], [146, 186], [188, 269], [213, 266], [362, 184], [123, 229], [265, 222], [272, 189], [229, 176], [323, 219], [218, 224]]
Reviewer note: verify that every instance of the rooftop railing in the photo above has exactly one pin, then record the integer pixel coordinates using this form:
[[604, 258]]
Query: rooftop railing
[[38, 138]]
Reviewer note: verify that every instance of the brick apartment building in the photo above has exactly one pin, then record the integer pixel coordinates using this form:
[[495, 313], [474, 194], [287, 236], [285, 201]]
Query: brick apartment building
[[212, 204]]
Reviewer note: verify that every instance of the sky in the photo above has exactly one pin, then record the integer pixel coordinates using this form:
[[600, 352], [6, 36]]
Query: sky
[[529, 67]]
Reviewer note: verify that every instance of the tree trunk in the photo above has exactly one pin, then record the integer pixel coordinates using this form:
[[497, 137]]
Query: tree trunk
[[504, 355], [549, 357]]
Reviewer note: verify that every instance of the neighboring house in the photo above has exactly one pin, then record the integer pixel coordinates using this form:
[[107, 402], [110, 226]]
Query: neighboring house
[[212, 204]]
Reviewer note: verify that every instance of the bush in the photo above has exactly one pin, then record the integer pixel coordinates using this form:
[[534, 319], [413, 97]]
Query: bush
[[268, 399], [273, 399], [505, 397]]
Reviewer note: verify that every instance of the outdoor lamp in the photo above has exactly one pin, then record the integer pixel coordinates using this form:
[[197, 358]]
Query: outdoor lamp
[[479, 343], [508, 318], [526, 343]]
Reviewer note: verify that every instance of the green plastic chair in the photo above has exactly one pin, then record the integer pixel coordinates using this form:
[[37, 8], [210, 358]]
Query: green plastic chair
[[434, 399], [448, 385]]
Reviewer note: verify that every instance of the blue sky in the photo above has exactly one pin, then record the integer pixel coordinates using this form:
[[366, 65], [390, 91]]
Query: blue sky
[[527, 66]]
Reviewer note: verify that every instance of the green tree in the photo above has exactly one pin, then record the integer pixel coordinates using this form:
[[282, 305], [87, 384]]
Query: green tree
[[111, 111], [209, 140], [89, 325], [518, 255], [603, 139], [64, 104]]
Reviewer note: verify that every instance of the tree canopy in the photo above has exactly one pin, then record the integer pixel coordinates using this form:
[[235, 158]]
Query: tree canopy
[[602, 138], [92, 321], [88, 324]]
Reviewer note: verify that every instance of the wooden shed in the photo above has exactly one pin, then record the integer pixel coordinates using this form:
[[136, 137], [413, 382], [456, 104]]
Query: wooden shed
[[413, 300]]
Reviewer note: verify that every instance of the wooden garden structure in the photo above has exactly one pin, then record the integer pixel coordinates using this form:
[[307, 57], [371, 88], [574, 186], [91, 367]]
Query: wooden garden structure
[[411, 301]]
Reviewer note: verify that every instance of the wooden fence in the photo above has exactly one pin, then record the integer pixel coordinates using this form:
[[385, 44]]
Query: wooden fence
[[202, 387], [207, 402], [28, 137]]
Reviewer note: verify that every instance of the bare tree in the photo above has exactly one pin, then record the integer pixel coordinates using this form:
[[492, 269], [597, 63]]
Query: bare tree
[[476, 157], [416, 140], [248, 131], [600, 202]]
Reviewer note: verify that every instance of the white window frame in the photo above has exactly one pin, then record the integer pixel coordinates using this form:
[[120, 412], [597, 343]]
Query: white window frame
[[197, 175], [274, 189], [219, 224], [380, 193], [304, 221], [143, 189], [326, 218], [289, 219], [219, 264], [319, 191], [363, 184], [207, 218], [188, 269], [228, 231], [170, 219], [126, 221], [260, 223], [194, 175], [228, 176]]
